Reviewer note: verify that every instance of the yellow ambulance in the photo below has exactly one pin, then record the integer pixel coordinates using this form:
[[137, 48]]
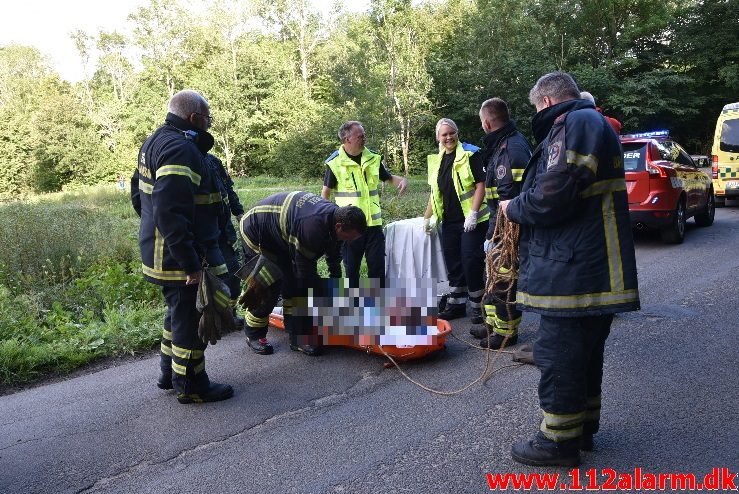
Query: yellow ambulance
[[726, 155]]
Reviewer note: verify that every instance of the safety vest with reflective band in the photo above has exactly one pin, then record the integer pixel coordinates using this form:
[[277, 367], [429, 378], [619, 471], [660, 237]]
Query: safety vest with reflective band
[[464, 182], [179, 203], [576, 251], [292, 229], [358, 185]]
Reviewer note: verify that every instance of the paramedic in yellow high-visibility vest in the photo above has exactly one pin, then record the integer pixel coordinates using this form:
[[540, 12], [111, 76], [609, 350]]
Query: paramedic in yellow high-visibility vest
[[456, 175], [353, 176]]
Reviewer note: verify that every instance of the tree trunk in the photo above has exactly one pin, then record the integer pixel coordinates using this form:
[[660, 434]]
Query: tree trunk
[[304, 53]]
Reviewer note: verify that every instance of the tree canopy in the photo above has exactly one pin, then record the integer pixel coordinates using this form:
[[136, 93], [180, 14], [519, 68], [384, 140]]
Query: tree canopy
[[281, 77]]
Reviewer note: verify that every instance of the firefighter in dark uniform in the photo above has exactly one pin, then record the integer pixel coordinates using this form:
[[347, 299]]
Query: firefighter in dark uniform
[[577, 263], [457, 179], [505, 154], [353, 174], [294, 230], [178, 201], [231, 205]]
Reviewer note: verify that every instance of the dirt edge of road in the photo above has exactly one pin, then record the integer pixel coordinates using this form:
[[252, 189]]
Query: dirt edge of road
[[92, 367]]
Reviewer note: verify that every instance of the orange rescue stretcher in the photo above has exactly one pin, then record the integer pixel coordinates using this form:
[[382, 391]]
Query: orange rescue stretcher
[[399, 353]]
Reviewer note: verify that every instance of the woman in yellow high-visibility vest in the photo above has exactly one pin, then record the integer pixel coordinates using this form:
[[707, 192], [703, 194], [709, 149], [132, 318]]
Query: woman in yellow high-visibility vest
[[456, 175]]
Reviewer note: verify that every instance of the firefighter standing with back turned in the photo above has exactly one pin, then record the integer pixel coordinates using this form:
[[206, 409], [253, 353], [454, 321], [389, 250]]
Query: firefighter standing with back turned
[[577, 263], [175, 195], [506, 152]]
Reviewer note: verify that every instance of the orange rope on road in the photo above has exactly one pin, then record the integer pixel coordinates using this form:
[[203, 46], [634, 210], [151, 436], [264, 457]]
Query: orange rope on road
[[486, 373]]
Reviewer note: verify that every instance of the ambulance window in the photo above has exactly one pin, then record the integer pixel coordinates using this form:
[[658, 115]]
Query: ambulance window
[[634, 156], [730, 136]]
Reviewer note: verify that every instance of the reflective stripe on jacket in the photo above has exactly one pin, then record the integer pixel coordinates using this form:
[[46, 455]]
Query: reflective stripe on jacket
[[504, 165], [292, 227], [178, 201], [230, 200], [506, 154]]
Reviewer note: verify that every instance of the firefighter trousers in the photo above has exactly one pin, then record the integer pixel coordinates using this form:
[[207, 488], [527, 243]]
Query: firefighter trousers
[[569, 354], [293, 293], [465, 262], [181, 349], [501, 315]]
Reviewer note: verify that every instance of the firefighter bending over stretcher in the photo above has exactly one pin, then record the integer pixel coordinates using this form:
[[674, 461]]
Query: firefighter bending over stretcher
[[284, 236]]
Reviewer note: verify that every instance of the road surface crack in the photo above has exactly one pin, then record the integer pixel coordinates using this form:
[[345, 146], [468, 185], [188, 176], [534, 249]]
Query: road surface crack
[[362, 385]]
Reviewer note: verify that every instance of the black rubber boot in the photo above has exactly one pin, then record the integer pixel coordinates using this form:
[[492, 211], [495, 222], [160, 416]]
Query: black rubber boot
[[540, 452], [524, 354], [260, 346], [480, 332], [301, 338], [586, 442], [165, 372], [496, 341], [476, 317], [214, 392], [454, 311], [239, 321]]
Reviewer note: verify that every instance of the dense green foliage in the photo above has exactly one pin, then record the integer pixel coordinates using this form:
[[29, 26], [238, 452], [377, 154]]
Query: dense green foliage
[[281, 78], [71, 288]]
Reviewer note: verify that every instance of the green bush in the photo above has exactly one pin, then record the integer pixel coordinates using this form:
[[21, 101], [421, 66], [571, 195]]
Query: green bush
[[107, 310], [67, 345], [409, 205]]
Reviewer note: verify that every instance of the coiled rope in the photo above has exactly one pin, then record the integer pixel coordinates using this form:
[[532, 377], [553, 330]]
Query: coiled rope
[[501, 262]]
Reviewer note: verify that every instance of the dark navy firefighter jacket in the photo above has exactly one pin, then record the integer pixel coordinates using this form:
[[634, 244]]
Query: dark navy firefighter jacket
[[505, 153], [231, 203], [178, 200], [292, 229], [576, 250]]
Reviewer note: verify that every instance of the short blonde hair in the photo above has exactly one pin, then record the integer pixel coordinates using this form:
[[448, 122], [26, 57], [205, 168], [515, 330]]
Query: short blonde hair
[[446, 121]]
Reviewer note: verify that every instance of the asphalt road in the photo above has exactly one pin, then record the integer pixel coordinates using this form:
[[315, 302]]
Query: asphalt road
[[342, 423]]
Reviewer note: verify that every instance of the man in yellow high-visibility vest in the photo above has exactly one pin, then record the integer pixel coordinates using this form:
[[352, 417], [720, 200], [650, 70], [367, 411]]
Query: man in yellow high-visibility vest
[[353, 175]]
